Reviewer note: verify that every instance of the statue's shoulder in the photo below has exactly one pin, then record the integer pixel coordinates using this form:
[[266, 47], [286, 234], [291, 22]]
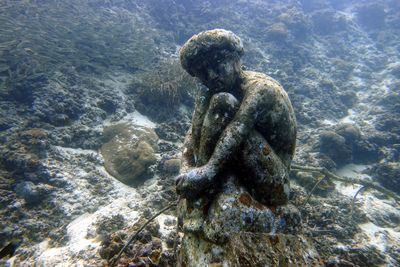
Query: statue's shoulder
[[262, 81]]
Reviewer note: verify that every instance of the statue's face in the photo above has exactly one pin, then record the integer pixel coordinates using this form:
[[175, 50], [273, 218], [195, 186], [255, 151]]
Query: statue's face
[[220, 74]]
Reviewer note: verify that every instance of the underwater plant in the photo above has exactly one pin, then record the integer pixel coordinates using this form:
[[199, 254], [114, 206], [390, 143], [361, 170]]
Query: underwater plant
[[36, 40], [168, 83], [163, 89]]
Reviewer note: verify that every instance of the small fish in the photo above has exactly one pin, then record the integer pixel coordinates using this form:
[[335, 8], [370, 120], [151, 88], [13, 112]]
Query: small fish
[[29, 50]]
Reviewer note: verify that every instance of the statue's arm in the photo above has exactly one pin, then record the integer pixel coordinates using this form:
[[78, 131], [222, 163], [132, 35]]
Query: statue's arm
[[200, 109], [198, 179], [188, 159], [237, 130], [192, 139]]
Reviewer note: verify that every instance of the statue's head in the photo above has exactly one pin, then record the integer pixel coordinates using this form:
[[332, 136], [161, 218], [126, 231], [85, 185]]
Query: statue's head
[[214, 57]]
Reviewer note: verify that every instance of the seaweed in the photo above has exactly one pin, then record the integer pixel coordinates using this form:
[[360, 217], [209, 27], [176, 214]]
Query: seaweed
[[40, 37], [169, 83], [163, 89]]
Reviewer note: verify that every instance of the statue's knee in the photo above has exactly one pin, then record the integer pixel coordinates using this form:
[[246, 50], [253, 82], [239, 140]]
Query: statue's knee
[[223, 103]]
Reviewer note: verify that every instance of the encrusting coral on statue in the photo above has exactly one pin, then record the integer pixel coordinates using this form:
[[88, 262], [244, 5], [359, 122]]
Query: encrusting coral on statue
[[234, 181]]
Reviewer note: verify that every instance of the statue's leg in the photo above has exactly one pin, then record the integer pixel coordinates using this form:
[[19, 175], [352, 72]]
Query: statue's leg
[[263, 172], [222, 108]]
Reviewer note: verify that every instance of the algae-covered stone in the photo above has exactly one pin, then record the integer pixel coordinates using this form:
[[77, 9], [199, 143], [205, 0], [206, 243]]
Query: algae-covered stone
[[277, 32], [129, 151], [234, 229], [334, 146], [172, 166], [244, 249], [36, 140], [388, 175]]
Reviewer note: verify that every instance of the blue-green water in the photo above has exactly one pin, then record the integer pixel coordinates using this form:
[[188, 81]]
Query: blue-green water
[[92, 91]]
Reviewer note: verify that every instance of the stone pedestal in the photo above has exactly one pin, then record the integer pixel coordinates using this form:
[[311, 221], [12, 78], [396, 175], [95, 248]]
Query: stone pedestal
[[249, 249], [233, 229]]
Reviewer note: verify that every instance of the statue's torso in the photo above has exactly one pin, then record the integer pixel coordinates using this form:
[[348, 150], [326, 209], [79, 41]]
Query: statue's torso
[[275, 119], [276, 122]]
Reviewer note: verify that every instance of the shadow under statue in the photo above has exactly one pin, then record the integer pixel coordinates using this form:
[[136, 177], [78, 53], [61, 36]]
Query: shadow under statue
[[234, 181]]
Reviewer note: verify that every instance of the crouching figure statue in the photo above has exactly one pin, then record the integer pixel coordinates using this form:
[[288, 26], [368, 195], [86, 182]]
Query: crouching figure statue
[[234, 181]]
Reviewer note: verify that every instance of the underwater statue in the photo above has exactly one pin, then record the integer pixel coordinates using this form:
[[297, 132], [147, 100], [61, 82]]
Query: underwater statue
[[234, 181], [243, 123]]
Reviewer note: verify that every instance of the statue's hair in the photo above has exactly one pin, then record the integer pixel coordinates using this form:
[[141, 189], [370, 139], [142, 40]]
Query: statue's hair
[[202, 47]]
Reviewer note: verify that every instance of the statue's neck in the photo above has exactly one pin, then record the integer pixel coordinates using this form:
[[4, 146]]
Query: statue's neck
[[237, 88]]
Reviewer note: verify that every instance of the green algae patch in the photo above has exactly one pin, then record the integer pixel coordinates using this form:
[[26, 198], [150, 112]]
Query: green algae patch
[[129, 151]]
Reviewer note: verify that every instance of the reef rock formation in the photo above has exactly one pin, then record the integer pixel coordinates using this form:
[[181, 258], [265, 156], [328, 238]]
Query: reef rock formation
[[128, 152]]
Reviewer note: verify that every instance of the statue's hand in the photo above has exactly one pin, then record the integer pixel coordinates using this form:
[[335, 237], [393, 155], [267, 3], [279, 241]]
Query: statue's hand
[[195, 181]]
